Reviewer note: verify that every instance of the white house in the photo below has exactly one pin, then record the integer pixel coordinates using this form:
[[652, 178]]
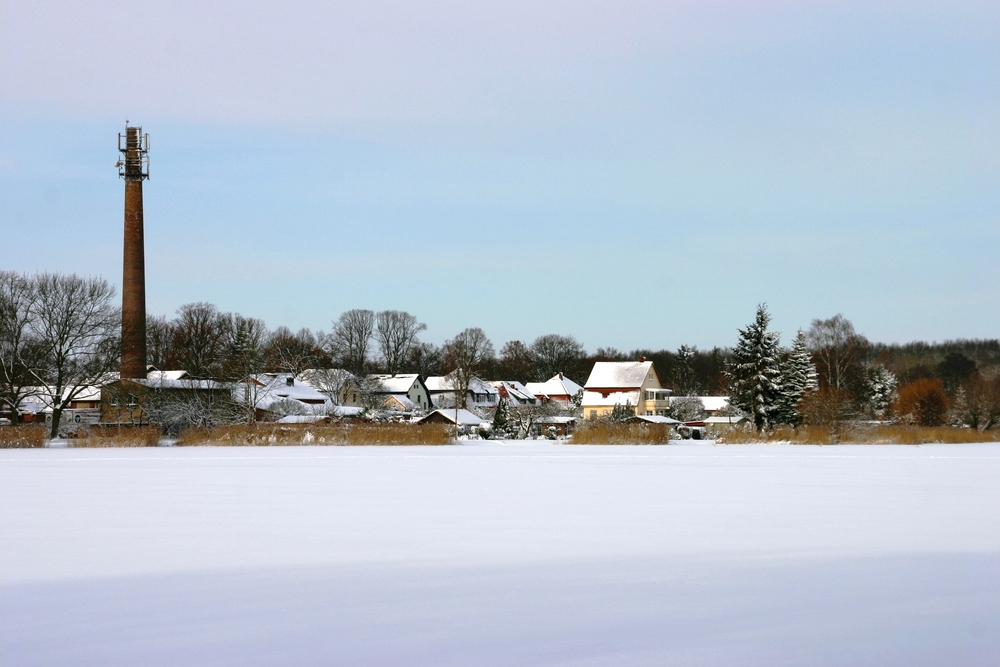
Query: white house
[[481, 395], [403, 391]]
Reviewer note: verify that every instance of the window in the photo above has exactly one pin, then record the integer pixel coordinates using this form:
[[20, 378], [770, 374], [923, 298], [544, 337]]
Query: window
[[593, 414]]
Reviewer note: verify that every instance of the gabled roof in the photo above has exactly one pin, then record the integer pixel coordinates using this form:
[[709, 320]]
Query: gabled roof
[[514, 390], [557, 385], [442, 383], [275, 387], [395, 384], [618, 374], [156, 374]]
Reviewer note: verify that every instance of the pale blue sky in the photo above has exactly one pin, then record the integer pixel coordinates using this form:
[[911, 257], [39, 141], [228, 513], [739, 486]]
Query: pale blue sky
[[636, 174]]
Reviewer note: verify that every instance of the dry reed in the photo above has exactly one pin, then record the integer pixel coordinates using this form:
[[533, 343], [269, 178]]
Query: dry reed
[[864, 434], [604, 433], [273, 435], [127, 436], [23, 436]]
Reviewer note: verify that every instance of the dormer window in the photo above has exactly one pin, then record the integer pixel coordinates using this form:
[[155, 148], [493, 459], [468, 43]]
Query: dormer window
[[289, 381]]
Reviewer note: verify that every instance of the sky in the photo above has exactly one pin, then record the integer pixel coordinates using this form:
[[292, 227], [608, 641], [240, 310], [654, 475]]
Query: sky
[[636, 174]]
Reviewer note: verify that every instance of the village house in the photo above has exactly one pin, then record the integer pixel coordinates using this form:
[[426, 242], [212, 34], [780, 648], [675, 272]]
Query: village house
[[515, 393], [273, 395], [629, 384], [558, 388], [131, 400], [481, 395], [404, 392]]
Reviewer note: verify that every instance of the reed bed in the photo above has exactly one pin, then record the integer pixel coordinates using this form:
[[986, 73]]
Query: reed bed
[[864, 434], [603, 433], [127, 436], [276, 435], [23, 436]]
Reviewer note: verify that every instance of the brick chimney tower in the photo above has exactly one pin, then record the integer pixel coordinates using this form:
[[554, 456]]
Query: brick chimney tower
[[134, 168]]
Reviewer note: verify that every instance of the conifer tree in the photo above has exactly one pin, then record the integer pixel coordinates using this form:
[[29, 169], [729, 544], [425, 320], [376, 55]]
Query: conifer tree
[[755, 372], [501, 419], [798, 375]]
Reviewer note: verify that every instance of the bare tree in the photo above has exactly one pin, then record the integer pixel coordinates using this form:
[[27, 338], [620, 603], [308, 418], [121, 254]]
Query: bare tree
[[293, 353], [395, 333], [349, 339], [17, 348], [198, 340], [424, 359], [158, 334], [516, 362], [331, 382], [557, 354], [465, 355], [77, 326], [836, 347]]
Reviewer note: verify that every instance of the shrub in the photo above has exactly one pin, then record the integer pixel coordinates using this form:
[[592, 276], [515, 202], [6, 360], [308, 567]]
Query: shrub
[[862, 433], [269, 435], [609, 433], [125, 436], [923, 402], [22, 436]]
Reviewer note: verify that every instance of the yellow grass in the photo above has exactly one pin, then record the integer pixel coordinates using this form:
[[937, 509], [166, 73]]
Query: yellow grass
[[603, 433], [23, 436], [126, 436], [266, 435], [867, 434]]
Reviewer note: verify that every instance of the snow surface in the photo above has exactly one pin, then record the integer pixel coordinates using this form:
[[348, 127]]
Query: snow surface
[[494, 554]]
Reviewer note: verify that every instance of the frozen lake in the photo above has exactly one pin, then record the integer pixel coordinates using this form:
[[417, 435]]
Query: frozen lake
[[492, 554]]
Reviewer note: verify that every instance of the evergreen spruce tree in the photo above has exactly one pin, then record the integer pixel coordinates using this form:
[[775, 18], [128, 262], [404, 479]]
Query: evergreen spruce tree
[[501, 419], [621, 413], [798, 375], [880, 389], [755, 372]]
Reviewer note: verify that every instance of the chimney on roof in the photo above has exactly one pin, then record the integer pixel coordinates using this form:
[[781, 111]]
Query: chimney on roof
[[560, 375], [642, 360], [289, 381]]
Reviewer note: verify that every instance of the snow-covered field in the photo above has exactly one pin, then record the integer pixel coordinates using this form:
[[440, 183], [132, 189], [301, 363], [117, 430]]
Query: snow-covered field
[[492, 554]]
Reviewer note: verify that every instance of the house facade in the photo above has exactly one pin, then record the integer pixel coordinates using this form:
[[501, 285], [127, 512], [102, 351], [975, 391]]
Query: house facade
[[403, 391]]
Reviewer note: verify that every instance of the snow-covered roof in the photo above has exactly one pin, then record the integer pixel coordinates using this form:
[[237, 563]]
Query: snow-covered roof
[[618, 374], [515, 390], [395, 384], [596, 398], [725, 420], [656, 419], [711, 403], [557, 385], [465, 418], [273, 387], [555, 419], [442, 383], [166, 375], [402, 400], [344, 410], [183, 383]]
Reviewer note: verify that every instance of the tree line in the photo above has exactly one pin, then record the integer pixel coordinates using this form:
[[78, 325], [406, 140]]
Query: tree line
[[62, 333]]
